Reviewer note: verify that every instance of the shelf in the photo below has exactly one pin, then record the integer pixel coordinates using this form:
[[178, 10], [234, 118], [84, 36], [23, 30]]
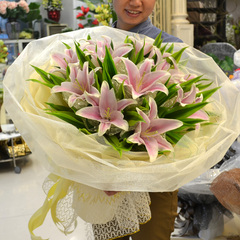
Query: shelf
[[209, 22], [19, 42], [8, 146], [16, 158]]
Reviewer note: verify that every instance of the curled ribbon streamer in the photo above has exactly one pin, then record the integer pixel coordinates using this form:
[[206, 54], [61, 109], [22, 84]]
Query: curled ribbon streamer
[[58, 191]]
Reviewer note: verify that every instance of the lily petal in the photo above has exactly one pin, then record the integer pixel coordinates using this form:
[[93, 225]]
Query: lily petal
[[118, 121], [124, 103], [152, 148], [90, 113], [103, 127], [200, 115]]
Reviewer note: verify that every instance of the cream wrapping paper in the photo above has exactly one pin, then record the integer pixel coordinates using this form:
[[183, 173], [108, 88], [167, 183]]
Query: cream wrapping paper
[[72, 155]]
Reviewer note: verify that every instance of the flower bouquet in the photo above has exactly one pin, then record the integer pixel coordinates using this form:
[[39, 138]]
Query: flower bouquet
[[106, 109]]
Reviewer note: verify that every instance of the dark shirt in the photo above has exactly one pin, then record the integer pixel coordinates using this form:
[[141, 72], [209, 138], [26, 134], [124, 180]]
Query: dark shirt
[[148, 29]]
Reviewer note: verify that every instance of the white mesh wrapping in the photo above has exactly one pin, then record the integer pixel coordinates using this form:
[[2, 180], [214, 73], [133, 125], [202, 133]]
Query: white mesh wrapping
[[103, 217]]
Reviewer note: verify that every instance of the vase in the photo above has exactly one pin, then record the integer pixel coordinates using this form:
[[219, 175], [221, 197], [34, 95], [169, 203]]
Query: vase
[[13, 29], [54, 15]]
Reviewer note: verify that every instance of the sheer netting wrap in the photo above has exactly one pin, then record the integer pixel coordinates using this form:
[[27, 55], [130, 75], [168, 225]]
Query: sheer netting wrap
[[80, 160]]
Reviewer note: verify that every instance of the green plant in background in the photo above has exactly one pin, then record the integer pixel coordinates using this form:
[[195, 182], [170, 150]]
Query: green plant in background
[[3, 52], [52, 5], [236, 27], [226, 64], [86, 17], [103, 11], [104, 14], [33, 14]]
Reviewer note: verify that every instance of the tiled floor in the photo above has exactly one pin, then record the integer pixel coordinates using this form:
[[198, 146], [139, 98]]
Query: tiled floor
[[21, 195]]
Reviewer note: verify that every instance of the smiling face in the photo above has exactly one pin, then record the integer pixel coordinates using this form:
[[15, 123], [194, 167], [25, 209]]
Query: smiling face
[[130, 13]]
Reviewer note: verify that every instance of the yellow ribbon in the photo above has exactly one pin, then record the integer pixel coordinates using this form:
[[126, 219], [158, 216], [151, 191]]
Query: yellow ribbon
[[58, 191]]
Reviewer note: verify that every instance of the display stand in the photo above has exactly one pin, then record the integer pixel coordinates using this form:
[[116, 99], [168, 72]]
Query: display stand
[[9, 138], [19, 43]]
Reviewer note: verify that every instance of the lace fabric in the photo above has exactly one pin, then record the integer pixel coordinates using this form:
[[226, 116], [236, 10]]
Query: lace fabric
[[104, 217]]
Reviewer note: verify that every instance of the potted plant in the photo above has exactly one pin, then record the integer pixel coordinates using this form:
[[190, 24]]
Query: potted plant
[[53, 8], [236, 28], [31, 16], [13, 11]]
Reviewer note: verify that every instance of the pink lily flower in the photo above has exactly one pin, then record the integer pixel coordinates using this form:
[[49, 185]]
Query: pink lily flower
[[97, 49], [142, 81], [81, 81], [190, 98], [140, 43], [63, 59], [106, 109], [200, 115], [150, 132]]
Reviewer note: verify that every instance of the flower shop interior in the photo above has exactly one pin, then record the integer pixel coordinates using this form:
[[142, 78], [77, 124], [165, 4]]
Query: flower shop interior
[[210, 26]]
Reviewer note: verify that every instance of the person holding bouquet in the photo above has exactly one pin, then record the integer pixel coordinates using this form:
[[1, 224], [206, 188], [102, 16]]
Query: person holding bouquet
[[133, 16], [122, 123]]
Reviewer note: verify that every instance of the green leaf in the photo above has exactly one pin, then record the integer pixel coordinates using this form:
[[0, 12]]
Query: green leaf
[[191, 121], [145, 105], [56, 79], [227, 64], [177, 55], [132, 117], [40, 82], [162, 111], [44, 75], [82, 57], [84, 130], [163, 49], [58, 107], [170, 49], [67, 72], [161, 97], [68, 117], [121, 92], [202, 86], [158, 40], [214, 57], [118, 145], [109, 64], [108, 68], [140, 55], [67, 46], [186, 111], [208, 93], [173, 137]]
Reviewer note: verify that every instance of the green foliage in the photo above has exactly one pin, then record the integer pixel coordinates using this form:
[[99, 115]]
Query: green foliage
[[236, 27], [33, 14], [226, 64]]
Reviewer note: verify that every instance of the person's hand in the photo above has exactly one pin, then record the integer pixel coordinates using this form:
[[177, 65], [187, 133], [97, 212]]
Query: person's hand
[[111, 193]]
